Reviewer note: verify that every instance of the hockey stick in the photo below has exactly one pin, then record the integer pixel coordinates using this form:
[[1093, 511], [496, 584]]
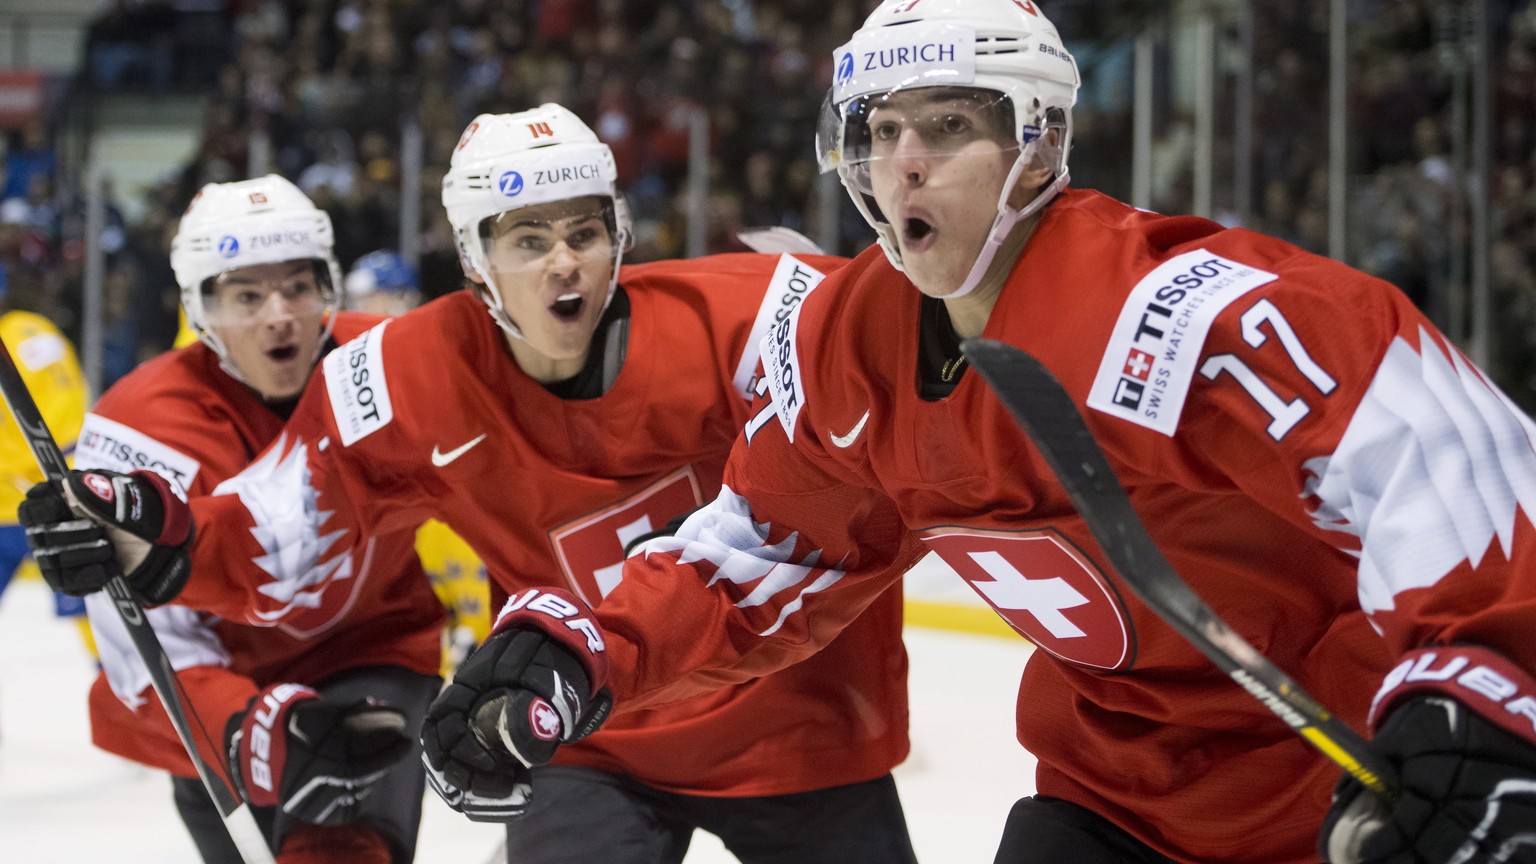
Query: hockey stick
[[238, 821], [1047, 413]]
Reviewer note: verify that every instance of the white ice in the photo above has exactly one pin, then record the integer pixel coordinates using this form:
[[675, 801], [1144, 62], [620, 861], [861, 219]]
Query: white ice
[[64, 802]]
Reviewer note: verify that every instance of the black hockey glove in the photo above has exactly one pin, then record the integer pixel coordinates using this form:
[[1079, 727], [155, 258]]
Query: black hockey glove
[[1459, 728], [107, 524], [535, 683], [316, 759]]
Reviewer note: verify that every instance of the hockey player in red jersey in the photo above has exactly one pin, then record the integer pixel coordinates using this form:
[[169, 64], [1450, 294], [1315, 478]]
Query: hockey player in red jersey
[[1313, 457], [591, 406], [344, 684]]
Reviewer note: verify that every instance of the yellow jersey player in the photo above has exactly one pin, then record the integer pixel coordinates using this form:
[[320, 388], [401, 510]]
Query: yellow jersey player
[[52, 373], [458, 577]]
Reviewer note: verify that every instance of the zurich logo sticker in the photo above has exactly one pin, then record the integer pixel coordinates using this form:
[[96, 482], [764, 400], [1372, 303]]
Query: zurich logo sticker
[[510, 184], [845, 67], [229, 247]]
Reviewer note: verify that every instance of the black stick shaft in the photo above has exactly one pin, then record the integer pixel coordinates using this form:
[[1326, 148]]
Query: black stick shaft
[[1047, 413]]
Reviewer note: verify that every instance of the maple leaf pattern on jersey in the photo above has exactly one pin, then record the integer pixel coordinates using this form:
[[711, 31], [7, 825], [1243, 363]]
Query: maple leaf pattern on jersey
[[1433, 469], [766, 574], [303, 563]]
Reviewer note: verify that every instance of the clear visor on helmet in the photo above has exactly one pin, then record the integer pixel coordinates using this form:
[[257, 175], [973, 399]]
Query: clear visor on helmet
[[561, 234], [930, 123], [268, 293]]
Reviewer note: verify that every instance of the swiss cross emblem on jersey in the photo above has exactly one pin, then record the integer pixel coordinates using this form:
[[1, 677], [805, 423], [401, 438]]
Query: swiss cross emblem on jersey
[[590, 549], [1045, 588]]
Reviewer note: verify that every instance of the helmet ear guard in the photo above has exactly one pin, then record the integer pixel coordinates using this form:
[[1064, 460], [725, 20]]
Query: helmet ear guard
[[506, 162], [623, 228]]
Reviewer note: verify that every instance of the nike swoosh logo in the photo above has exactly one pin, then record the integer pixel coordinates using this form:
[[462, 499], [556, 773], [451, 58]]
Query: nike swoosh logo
[[441, 459], [846, 441]]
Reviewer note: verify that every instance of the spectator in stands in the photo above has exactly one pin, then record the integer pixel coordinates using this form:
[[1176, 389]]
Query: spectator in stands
[[30, 157], [131, 43]]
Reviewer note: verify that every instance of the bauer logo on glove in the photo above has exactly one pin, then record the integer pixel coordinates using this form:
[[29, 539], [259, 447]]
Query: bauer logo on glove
[[316, 759], [535, 683]]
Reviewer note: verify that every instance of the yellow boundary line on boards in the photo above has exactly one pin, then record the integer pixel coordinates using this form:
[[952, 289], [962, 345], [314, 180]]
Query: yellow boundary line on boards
[[957, 617]]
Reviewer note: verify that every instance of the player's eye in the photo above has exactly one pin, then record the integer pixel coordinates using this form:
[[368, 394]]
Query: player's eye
[[299, 288], [532, 243], [954, 124], [887, 131], [582, 238]]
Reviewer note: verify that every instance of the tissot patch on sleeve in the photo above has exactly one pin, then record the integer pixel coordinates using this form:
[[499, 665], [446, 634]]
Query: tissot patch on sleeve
[[781, 365], [792, 280], [113, 446], [1146, 370], [354, 377]]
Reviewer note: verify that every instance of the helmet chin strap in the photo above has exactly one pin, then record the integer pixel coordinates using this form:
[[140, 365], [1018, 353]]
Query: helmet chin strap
[[493, 305], [216, 345], [1008, 217]]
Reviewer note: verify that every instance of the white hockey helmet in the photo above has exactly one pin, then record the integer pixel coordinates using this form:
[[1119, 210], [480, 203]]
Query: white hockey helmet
[[229, 226], [1002, 50], [506, 162]]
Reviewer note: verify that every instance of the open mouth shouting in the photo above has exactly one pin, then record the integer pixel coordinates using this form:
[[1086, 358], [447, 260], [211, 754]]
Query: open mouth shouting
[[917, 232], [567, 307], [283, 353]]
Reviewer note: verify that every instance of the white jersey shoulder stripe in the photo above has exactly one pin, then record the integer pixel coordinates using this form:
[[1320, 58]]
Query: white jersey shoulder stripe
[[354, 380], [792, 280], [1146, 370], [1434, 467], [108, 444]]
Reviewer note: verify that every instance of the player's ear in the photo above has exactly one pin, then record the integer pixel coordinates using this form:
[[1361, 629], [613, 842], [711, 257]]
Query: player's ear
[[1030, 181], [1028, 185], [1032, 178]]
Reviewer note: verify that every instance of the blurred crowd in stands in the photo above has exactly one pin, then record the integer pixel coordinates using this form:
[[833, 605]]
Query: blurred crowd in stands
[[330, 83]]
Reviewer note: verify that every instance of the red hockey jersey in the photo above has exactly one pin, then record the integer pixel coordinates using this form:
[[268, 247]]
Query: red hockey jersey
[[182, 416], [428, 416], [1309, 453]]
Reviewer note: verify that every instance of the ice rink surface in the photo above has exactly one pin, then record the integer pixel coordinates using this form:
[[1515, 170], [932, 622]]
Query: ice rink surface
[[64, 802]]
